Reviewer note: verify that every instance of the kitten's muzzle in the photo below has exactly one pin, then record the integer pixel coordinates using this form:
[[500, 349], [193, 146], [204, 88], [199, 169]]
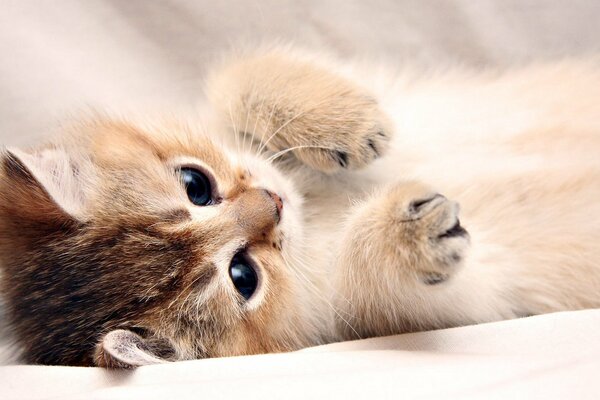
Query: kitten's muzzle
[[278, 203], [257, 212]]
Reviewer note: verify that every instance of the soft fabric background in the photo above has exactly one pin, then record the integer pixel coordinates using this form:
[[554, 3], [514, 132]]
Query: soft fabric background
[[58, 57]]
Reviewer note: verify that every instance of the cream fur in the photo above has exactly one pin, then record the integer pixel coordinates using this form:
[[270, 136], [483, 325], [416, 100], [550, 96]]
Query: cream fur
[[518, 149]]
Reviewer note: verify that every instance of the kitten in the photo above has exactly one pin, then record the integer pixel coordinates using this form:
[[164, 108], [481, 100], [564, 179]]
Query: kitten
[[297, 215]]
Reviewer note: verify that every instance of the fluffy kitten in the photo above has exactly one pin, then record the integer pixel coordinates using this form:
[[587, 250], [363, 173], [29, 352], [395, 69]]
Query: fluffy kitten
[[125, 244]]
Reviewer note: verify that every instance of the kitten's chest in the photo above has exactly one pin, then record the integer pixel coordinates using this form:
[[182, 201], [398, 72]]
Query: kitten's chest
[[329, 201]]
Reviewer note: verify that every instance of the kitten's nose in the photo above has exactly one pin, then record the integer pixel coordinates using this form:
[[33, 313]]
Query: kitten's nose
[[278, 203], [257, 211]]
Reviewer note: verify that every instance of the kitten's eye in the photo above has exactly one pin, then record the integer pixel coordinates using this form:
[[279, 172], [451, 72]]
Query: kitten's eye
[[197, 186], [243, 276]]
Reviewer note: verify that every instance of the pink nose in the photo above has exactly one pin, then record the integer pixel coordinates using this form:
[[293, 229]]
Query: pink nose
[[277, 200]]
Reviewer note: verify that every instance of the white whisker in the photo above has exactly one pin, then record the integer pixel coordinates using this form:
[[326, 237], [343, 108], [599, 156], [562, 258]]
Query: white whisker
[[235, 133], [282, 152], [292, 119]]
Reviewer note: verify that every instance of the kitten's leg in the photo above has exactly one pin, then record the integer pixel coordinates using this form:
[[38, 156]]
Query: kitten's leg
[[400, 267], [288, 102]]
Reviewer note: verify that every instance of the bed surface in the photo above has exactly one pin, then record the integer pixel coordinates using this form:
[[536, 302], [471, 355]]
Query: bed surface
[[548, 356], [59, 58]]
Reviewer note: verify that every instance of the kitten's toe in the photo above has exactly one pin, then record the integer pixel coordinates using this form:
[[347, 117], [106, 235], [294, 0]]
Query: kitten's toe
[[455, 231], [435, 232], [422, 205], [373, 145], [348, 150], [376, 143], [448, 242]]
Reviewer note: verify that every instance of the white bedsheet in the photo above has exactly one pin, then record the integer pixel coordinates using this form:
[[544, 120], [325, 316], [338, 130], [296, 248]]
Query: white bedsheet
[[554, 356], [59, 57]]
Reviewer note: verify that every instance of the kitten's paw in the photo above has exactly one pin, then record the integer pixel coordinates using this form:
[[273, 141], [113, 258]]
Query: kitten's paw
[[432, 240], [292, 104]]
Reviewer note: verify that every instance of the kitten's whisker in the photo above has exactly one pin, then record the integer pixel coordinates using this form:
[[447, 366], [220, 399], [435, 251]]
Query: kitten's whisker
[[263, 144], [282, 152], [256, 117], [235, 132], [252, 92], [292, 119], [269, 121]]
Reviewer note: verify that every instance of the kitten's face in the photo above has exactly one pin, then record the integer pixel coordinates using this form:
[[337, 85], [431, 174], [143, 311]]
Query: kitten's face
[[127, 247]]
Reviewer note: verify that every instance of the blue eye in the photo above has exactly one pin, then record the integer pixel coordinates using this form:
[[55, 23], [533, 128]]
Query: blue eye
[[197, 186], [243, 276]]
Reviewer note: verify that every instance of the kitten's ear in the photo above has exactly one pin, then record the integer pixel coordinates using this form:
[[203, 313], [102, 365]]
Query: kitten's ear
[[42, 186], [122, 348]]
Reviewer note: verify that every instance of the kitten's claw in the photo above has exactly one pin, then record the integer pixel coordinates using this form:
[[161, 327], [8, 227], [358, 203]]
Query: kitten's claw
[[353, 150], [434, 278], [456, 230], [342, 158]]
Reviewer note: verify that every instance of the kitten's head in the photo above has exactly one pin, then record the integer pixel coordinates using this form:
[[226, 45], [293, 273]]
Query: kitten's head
[[123, 247]]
